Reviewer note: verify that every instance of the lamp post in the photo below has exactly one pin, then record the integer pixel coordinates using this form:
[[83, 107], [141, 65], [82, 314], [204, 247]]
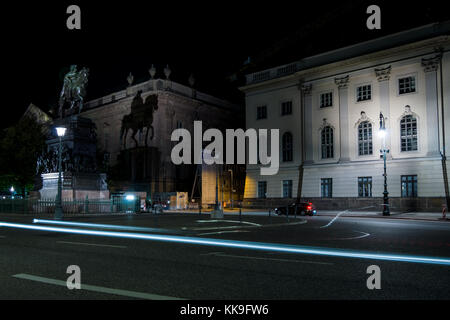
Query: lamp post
[[60, 131], [231, 188], [384, 151]]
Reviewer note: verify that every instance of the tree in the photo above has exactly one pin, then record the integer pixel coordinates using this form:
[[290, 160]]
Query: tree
[[20, 146]]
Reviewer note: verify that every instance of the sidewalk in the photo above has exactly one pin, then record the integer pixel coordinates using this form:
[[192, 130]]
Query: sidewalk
[[430, 216]]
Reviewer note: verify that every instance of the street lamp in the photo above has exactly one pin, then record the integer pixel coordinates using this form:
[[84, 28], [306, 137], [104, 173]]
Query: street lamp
[[60, 131], [382, 133], [231, 188], [12, 192]]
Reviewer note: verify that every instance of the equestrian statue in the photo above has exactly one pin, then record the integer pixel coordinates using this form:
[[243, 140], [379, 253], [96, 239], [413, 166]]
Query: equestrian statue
[[141, 117], [73, 90]]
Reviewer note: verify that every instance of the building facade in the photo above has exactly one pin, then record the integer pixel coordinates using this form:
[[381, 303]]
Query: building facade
[[143, 164], [328, 110]]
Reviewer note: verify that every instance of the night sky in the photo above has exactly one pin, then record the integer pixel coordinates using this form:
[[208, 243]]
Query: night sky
[[210, 39]]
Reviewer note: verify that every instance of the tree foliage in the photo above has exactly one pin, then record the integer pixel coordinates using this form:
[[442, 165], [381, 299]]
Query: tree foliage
[[20, 146]]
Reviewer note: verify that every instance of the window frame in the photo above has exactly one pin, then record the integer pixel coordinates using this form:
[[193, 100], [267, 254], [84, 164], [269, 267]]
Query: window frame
[[368, 127], [411, 136], [258, 114], [290, 184], [283, 103], [262, 183], [400, 77], [414, 184], [329, 92], [287, 149], [330, 145], [365, 187], [357, 92], [328, 183]]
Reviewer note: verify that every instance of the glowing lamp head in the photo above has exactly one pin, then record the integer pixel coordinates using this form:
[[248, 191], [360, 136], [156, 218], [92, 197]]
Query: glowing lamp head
[[12, 189], [382, 133], [60, 131], [129, 197]]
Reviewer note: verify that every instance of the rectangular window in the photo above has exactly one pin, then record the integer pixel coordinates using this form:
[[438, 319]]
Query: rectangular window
[[327, 187], [261, 112], [406, 85], [365, 187], [326, 99], [327, 143], [286, 108], [365, 138], [262, 189], [409, 186], [364, 93], [287, 188], [408, 133]]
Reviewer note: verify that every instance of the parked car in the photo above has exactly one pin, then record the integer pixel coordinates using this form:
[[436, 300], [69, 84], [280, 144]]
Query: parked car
[[303, 208]]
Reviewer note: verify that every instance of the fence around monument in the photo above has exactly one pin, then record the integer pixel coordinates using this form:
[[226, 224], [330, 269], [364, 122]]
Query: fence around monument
[[70, 206]]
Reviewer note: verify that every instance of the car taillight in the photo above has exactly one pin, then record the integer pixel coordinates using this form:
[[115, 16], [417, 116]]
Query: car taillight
[[309, 207]]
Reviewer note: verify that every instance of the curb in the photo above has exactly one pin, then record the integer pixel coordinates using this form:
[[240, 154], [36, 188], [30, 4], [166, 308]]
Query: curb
[[385, 217]]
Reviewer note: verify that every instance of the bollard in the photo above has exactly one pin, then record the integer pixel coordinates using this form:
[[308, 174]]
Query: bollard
[[287, 213], [444, 212], [240, 214], [295, 213]]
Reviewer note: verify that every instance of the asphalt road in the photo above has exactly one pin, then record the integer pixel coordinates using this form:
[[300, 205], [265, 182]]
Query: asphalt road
[[33, 263]]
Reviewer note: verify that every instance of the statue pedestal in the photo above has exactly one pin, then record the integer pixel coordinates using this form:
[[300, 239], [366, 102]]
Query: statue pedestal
[[75, 186], [80, 177]]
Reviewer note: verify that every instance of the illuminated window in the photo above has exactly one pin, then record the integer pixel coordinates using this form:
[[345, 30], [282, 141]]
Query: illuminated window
[[408, 133], [365, 138], [365, 187], [409, 186]]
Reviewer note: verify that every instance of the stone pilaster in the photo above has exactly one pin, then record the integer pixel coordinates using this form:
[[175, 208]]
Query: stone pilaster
[[383, 75], [307, 100], [342, 84], [431, 66]]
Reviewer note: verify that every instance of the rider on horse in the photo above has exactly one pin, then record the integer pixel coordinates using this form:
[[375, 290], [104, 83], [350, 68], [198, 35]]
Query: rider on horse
[[73, 89]]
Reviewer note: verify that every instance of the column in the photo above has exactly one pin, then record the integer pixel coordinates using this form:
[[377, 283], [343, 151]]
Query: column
[[342, 84], [383, 75], [308, 139], [431, 66]]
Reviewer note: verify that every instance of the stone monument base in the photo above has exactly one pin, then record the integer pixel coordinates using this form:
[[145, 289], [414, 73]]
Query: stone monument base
[[75, 186]]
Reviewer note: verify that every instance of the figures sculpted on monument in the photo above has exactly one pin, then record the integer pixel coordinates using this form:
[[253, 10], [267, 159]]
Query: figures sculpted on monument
[[73, 90], [141, 117]]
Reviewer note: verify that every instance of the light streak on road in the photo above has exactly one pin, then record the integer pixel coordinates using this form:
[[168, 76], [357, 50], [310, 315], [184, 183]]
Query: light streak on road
[[240, 244]]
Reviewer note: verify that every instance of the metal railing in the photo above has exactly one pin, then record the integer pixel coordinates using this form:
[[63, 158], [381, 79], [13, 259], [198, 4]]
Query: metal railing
[[81, 206]]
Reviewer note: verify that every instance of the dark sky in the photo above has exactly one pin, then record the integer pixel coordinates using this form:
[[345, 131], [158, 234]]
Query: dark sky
[[211, 39]]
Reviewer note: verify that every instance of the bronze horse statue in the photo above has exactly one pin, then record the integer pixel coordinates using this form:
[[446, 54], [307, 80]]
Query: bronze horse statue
[[74, 89], [141, 116]]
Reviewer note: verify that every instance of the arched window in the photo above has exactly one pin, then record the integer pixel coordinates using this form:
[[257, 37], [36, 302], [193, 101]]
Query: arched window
[[327, 143], [365, 138], [408, 133], [287, 146]]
